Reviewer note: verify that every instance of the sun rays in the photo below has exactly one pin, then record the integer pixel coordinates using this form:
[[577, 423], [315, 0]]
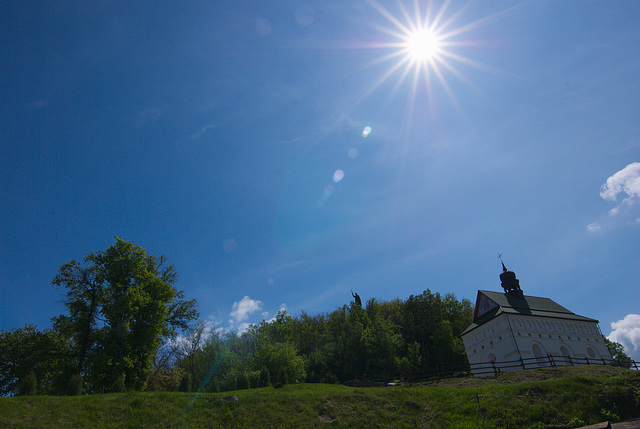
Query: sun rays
[[422, 46]]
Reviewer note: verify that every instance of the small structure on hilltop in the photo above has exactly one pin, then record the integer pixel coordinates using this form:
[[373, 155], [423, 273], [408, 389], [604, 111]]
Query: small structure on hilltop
[[513, 331]]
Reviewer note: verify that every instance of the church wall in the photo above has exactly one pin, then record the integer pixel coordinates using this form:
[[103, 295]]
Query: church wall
[[510, 336]]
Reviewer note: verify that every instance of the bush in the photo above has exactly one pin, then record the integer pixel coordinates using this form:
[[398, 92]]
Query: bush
[[283, 378], [28, 385], [118, 385], [186, 384], [575, 422], [74, 387], [243, 381], [254, 378], [230, 383], [265, 377], [330, 378]]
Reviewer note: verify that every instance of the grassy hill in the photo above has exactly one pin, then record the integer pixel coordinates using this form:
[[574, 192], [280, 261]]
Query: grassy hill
[[551, 397]]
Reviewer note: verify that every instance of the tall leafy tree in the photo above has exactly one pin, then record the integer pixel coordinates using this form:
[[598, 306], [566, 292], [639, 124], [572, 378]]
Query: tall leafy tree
[[120, 304]]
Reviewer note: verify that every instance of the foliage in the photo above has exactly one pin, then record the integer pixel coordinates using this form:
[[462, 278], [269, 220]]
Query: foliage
[[413, 338], [186, 384], [28, 385], [618, 354], [123, 312], [133, 295], [25, 351], [74, 387], [281, 359], [265, 377]]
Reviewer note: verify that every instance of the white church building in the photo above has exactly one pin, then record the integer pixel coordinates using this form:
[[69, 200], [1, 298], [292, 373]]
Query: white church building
[[512, 331]]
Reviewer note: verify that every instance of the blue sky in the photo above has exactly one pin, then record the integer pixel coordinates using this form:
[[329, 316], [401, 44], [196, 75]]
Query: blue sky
[[281, 154]]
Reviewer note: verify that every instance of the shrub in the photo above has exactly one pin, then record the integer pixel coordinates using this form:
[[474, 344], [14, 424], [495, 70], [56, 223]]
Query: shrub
[[118, 385], [186, 384], [243, 381], [254, 378], [28, 385], [74, 386], [283, 378], [265, 377]]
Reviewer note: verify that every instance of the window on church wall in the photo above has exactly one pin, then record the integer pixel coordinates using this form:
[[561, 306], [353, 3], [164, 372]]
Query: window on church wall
[[591, 352], [538, 353], [565, 353]]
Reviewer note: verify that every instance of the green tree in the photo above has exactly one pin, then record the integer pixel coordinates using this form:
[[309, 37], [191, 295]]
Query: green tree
[[25, 351], [132, 295], [620, 358], [280, 358]]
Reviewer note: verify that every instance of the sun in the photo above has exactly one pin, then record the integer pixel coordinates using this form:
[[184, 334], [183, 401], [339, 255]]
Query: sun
[[422, 45]]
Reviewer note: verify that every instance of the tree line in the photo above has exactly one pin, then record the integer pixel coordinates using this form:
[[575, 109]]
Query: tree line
[[127, 327], [380, 340]]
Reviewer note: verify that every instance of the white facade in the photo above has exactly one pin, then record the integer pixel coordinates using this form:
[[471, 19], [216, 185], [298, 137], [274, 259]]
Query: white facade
[[548, 341], [511, 331]]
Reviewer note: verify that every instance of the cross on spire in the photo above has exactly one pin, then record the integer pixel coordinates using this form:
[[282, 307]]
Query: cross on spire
[[500, 257]]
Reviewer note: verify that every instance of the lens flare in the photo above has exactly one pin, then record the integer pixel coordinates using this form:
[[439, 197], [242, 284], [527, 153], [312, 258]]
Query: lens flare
[[366, 132], [338, 176], [353, 153]]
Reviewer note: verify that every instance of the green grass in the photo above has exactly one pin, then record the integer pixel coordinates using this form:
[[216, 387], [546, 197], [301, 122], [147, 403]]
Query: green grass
[[551, 397]]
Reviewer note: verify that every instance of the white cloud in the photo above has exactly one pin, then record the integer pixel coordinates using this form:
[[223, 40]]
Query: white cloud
[[627, 333], [241, 310], [625, 182], [243, 327], [243, 315]]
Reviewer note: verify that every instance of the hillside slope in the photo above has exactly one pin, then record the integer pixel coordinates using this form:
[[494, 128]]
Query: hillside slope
[[551, 397]]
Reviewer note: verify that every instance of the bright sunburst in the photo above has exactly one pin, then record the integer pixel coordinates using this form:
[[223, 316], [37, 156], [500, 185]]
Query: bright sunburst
[[423, 43]]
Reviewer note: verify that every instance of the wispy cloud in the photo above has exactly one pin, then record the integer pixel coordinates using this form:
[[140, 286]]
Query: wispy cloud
[[625, 182], [203, 130], [627, 333]]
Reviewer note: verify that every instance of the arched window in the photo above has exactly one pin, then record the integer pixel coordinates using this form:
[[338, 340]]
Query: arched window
[[539, 354], [591, 352], [565, 355]]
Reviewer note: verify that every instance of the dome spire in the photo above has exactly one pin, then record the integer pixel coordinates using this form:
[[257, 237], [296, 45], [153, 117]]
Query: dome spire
[[509, 282]]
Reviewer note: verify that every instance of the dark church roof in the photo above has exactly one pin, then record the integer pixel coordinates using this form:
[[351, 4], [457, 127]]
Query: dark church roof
[[490, 305]]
